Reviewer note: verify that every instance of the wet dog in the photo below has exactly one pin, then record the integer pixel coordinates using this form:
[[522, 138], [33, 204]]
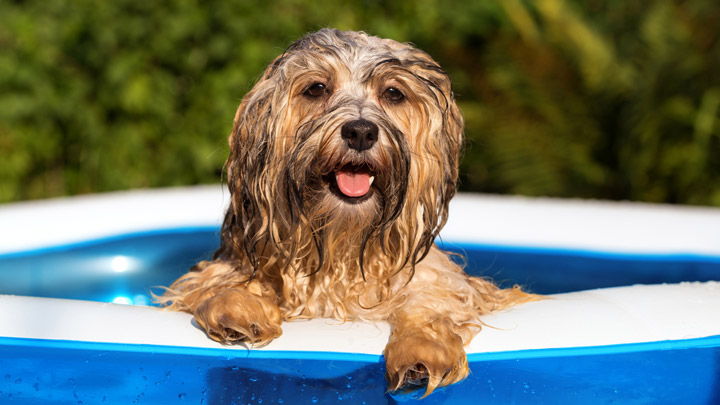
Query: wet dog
[[343, 160]]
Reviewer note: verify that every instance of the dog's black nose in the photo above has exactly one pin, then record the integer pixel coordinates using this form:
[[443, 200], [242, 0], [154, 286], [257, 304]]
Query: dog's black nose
[[360, 134]]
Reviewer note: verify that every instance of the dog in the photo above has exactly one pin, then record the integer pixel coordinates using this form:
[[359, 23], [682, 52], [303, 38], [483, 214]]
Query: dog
[[343, 160]]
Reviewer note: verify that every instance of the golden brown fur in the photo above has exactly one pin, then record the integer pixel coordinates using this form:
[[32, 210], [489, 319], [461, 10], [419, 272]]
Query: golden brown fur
[[294, 245]]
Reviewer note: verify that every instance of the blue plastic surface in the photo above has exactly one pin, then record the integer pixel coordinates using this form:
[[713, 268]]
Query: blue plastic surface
[[50, 371]]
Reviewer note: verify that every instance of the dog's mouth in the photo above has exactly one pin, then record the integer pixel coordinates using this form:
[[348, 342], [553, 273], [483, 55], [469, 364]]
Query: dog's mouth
[[353, 182]]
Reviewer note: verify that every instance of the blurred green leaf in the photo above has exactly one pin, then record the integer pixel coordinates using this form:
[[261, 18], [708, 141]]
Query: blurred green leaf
[[596, 99]]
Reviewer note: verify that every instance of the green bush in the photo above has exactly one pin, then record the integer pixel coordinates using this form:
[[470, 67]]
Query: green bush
[[600, 99]]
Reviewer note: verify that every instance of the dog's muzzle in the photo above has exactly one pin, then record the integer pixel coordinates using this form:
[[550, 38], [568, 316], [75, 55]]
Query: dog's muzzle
[[355, 181]]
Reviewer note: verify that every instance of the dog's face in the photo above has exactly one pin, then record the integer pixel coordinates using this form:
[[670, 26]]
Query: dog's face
[[346, 140]]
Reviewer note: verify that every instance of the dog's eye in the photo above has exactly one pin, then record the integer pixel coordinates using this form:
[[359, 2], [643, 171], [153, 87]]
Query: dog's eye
[[316, 90], [394, 95]]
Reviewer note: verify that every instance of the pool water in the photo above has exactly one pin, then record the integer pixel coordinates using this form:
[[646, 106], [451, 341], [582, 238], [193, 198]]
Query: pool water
[[104, 374], [123, 268]]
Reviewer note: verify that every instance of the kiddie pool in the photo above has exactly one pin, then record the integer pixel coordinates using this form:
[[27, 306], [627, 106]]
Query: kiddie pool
[[633, 314]]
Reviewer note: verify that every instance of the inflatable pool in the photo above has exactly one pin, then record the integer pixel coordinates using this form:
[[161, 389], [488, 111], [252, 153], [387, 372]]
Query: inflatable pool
[[633, 313]]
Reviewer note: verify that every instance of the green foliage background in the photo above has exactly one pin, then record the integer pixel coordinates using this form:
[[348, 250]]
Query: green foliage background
[[606, 99]]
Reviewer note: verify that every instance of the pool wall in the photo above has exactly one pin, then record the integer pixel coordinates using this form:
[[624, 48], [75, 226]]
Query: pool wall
[[653, 343]]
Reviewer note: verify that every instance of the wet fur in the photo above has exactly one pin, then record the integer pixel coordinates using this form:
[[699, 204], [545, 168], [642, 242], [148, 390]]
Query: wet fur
[[292, 247]]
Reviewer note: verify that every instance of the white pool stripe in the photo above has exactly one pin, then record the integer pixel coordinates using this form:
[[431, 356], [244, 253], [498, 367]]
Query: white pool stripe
[[42, 224], [584, 225], [613, 316], [480, 219]]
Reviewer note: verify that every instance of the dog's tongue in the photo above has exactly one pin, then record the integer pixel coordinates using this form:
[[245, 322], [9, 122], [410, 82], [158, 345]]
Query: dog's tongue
[[353, 183]]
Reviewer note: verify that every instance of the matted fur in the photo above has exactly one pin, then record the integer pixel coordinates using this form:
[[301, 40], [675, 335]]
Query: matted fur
[[293, 247]]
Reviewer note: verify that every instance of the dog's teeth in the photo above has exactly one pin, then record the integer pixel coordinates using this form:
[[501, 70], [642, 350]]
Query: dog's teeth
[[372, 178]]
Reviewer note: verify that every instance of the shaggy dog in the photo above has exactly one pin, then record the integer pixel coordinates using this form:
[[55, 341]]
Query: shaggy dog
[[343, 159]]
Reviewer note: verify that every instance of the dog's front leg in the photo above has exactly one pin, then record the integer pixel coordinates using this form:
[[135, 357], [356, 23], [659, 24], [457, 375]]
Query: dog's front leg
[[437, 314], [239, 314], [228, 306], [424, 352]]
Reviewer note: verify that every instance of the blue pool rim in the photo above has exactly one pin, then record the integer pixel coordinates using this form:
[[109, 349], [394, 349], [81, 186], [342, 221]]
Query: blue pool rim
[[108, 239], [662, 345], [442, 243]]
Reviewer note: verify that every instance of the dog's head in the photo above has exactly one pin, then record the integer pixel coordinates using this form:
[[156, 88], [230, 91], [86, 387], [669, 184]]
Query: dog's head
[[348, 143]]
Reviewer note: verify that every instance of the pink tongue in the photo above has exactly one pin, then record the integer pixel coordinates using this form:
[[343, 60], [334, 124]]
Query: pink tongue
[[353, 184]]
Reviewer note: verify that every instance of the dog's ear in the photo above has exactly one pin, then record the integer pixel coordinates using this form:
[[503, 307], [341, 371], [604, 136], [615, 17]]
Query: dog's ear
[[250, 174], [437, 159]]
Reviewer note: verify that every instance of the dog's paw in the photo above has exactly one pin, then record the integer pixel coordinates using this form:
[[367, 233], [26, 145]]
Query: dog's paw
[[414, 361], [237, 315]]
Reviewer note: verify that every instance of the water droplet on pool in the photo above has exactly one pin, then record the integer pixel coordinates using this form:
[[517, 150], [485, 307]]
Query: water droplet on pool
[[314, 400]]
